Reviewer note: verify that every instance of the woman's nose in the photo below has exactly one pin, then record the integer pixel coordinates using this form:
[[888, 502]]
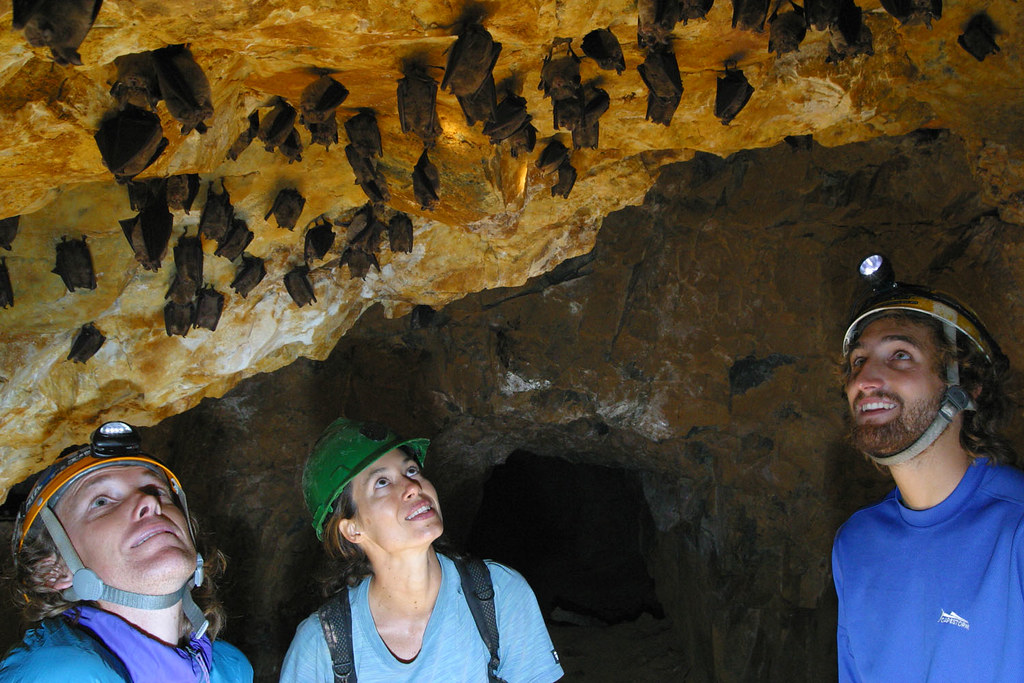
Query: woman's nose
[[412, 487], [148, 503]]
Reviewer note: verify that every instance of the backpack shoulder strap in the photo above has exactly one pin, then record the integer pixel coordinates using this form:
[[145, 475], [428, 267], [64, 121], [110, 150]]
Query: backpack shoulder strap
[[479, 592], [336, 621]]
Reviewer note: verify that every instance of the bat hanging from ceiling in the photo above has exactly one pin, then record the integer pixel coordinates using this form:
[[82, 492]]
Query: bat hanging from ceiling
[[246, 137], [8, 231], [732, 94], [603, 47], [209, 306], [319, 239], [979, 37], [188, 264], [184, 87], [299, 286], [470, 60], [250, 273], [136, 82], [178, 318], [74, 264], [426, 182], [320, 99], [181, 191], [235, 242], [60, 25], [786, 30], [6, 290], [129, 140], [149, 233], [217, 215], [417, 103], [86, 343], [560, 72], [400, 233], [287, 208]]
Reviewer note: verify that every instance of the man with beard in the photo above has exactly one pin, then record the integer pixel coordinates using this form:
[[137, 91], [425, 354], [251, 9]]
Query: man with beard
[[930, 580]]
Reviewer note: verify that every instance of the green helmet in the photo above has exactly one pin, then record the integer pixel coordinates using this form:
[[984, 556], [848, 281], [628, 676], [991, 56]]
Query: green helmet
[[346, 448]]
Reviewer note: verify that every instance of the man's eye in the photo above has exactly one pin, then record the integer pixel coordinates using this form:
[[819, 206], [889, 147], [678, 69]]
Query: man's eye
[[901, 355], [99, 501]]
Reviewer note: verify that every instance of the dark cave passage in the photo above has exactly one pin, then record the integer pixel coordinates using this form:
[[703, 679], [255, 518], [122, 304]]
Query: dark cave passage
[[577, 532]]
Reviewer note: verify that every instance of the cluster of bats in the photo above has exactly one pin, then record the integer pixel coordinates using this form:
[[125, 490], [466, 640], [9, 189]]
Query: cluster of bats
[[130, 138], [190, 303]]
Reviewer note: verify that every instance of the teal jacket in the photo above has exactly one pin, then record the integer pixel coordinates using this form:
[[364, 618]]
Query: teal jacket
[[58, 651]]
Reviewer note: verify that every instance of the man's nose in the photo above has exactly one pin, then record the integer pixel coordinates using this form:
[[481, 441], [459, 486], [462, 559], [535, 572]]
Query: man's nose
[[871, 375]]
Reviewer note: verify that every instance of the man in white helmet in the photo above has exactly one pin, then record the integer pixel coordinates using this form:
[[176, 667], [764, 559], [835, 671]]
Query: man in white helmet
[[107, 566], [930, 580]]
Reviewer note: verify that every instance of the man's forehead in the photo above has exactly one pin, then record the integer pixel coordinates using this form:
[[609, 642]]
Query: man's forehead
[[896, 328]]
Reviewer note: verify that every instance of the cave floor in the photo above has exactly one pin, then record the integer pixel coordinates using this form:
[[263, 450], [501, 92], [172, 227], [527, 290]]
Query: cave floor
[[640, 651]]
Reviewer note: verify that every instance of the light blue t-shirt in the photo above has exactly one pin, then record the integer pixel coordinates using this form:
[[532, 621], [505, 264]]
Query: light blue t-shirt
[[452, 648]]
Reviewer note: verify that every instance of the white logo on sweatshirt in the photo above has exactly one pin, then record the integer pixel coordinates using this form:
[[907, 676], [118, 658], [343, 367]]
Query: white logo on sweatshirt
[[955, 619]]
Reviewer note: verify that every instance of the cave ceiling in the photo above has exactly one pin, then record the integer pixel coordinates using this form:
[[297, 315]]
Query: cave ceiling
[[497, 221]]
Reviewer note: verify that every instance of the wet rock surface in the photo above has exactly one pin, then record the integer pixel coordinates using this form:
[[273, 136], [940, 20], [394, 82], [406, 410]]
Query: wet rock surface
[[694, 347]]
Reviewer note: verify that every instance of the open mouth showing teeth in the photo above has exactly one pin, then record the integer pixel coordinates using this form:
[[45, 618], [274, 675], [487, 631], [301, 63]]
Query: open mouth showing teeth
[[876, 405], [419, 511]]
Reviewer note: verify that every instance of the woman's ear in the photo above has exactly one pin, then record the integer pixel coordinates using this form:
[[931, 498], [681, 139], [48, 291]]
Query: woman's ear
[[350, 531], [58, 576]]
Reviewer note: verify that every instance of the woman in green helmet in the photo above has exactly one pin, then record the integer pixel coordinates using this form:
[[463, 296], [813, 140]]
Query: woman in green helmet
[[398, 608]]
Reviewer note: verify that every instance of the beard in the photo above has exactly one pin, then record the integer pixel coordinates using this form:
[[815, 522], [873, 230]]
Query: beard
[[880, 441]]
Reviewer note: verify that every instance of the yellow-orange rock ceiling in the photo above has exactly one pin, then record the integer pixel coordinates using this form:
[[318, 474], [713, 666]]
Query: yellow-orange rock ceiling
[[496, 223]]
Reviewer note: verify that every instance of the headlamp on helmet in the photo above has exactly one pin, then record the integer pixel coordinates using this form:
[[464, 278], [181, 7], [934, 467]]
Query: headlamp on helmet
[[889, 295]]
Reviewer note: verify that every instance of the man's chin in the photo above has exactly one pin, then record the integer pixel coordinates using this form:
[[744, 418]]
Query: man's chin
[[879, 442]]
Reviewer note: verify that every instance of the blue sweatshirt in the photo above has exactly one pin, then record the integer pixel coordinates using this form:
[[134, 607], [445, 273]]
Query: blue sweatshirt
[[936, 594]]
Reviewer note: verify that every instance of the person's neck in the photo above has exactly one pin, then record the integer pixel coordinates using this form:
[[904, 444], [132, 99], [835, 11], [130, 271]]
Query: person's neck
[[165, 625], [406, 583], [928, 479]]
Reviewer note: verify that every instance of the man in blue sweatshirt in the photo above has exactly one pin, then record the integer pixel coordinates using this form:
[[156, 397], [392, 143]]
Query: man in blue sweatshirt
[[930, 579]]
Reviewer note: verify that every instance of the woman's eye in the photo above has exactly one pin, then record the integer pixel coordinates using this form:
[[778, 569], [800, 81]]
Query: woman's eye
[[412, 471], [901, 355], [857, 362], [380, 483]]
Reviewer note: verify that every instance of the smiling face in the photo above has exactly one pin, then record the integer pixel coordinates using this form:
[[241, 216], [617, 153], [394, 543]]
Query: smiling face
[[126, 527], [894, 388], [396, 507]]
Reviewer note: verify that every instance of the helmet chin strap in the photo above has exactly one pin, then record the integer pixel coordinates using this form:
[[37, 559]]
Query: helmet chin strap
[[954, 400], [86, 585]]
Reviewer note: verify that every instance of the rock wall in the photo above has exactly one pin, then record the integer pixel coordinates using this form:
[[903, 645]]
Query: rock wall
[[695, 346]]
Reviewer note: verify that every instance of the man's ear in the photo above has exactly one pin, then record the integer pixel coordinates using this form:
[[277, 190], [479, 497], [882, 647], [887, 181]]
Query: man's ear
[[349, 529], [58, 576]]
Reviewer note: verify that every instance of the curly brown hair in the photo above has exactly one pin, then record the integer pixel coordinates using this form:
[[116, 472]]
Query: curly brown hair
[[38, 565], [984, 379]]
